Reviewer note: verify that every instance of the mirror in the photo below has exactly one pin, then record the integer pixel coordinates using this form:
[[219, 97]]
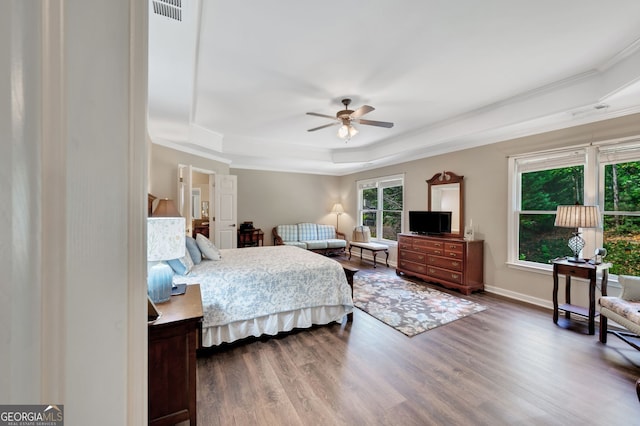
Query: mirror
[[446, 193]]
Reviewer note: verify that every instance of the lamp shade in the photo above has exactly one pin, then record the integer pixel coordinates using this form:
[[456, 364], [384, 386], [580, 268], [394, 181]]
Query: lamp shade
[[577, 216], [166, 208], [165, 238], [337, 208]]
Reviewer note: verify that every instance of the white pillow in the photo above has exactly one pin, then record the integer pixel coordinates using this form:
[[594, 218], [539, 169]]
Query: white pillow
[[208, 249], [630, 287]]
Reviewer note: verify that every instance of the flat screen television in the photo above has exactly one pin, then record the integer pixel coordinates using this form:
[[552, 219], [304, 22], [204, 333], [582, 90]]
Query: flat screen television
[[430, 222]]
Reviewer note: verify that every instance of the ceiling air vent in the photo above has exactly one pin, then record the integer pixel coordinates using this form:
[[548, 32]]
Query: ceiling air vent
[[169, 8]]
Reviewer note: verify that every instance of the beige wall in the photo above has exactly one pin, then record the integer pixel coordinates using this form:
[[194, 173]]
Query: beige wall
[[273, 198], [485, 171], [164, 169]]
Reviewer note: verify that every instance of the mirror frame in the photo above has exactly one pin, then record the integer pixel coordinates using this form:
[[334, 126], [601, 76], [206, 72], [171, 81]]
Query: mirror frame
[[446, 178]]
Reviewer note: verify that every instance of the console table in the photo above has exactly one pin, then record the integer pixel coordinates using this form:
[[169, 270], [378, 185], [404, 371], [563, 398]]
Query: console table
[[451, 262], [584, 270], [173, 340]]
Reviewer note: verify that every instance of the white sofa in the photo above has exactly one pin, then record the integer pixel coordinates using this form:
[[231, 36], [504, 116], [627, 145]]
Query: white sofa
[[310, 236]]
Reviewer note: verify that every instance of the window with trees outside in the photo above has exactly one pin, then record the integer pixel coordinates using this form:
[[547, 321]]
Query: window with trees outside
[[380, 206], [607, 175]]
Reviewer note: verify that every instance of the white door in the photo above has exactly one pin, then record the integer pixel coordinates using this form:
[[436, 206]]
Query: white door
[[184, 194], [226, 211]]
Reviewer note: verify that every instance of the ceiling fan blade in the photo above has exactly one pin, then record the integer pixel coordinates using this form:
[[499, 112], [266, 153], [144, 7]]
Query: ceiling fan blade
[[364, 109], [376, 123], [333, 117], [322, 127]]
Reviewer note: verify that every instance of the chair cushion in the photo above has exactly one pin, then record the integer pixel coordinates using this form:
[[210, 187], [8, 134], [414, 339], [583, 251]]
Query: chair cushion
[[336, 243], [316, 244], [295, 244], [287, 232], [625, 309], [307, 232], [326, 232]]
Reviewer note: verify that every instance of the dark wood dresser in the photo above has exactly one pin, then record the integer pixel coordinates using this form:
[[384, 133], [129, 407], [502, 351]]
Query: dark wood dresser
[[451, 262], [173, 340]]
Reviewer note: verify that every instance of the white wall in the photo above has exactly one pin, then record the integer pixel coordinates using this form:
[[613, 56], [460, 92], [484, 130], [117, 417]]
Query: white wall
[[73, 166]]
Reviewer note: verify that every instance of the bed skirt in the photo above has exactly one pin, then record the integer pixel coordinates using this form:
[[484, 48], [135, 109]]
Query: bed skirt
[[273, 324]]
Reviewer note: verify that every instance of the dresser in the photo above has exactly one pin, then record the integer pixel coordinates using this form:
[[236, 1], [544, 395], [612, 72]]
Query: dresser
[[173, 340], [451, 262]]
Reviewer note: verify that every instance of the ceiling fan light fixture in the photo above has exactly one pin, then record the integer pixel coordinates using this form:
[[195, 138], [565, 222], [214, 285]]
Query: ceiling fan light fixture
[[343, 131], [346, 132]]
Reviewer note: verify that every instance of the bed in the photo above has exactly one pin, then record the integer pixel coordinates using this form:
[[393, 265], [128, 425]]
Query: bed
[[266, 290]]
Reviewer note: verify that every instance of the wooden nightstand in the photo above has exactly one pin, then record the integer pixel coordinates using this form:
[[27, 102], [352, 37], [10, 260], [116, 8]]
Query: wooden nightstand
[[173, 340]]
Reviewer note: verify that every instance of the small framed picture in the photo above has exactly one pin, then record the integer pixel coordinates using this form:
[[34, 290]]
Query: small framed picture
[[468, 233]]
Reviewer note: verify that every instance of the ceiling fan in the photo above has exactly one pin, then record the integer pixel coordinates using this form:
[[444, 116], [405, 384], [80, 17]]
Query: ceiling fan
[[346, 117]]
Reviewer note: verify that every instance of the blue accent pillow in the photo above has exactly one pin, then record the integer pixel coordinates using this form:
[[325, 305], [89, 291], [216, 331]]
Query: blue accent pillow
[[183, 265], [194, 251]]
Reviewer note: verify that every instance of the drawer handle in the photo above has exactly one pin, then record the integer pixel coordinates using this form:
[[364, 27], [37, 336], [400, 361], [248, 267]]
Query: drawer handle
[[455, 276], [455, 263], [438, 252], [431, 270], [453, 255], [421, 257]]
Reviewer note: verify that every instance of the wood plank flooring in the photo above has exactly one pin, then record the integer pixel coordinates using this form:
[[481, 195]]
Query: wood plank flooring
[[507, 365]]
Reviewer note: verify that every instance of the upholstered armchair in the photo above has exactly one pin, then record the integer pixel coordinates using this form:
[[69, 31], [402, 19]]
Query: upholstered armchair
[[624, 310]]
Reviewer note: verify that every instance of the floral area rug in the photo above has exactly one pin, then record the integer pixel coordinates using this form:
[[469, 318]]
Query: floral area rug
[[408, 307]]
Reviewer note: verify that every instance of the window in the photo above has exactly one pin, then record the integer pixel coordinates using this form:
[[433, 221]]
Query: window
[[621, 216], [380, 206], [540, 182]]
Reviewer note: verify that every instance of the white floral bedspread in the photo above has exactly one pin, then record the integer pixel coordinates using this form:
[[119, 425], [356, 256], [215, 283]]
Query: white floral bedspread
[[256, 281]]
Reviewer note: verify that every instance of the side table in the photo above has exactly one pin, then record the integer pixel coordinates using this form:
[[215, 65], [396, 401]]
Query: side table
[[250, 238], [587, 271], [173, 340]]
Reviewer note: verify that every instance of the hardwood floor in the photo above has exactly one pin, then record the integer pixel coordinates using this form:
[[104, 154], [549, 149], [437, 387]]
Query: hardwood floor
[[507, 365]]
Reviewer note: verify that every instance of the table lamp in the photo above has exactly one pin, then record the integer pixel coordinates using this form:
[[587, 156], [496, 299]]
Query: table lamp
[[165, 241], [577, 216]]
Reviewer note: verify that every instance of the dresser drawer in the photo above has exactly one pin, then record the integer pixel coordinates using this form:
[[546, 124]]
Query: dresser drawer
[[420, 243], [443, 262], [412, 266], [445, 274], [403, 245], [413, 256]]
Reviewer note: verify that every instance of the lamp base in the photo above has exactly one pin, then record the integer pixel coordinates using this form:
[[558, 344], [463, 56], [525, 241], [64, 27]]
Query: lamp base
[[576, 260], [159, 282]]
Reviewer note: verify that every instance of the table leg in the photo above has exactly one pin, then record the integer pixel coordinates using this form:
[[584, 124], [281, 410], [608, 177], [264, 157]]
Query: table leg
[[349, 252], [375, 253], [387, 259], [555, 294], [567, 294], [592, 304]]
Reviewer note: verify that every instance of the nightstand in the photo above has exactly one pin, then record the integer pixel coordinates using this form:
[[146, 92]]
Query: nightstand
[[173, 340], [587, 271]]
